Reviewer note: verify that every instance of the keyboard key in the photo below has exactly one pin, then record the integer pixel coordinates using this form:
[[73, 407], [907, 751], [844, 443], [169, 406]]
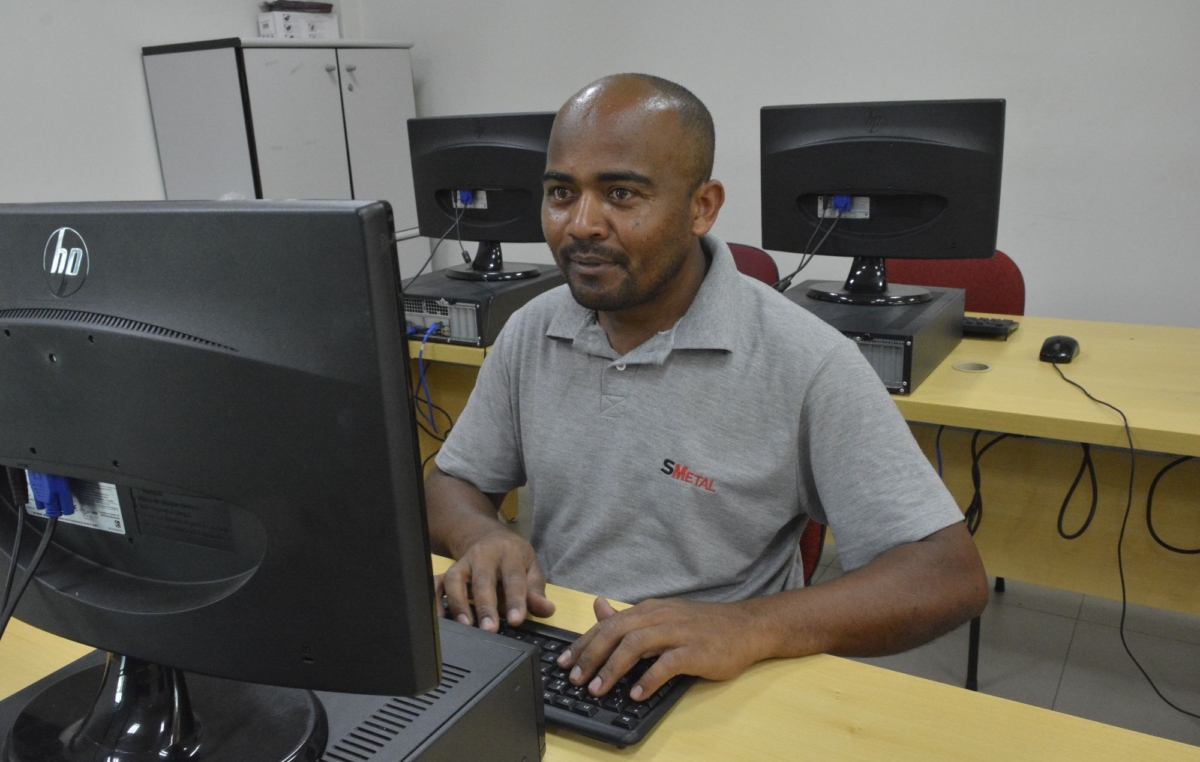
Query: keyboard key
[[613, 703], [625, 721], [587, 710], [632, 719]]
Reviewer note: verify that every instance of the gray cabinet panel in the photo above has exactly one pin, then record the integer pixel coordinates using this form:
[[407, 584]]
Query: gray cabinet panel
[[377, 99], [296, 110], [200, 124]]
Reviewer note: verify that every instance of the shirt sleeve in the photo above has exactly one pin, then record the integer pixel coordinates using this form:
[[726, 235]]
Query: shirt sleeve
[[484, 446], [865, 475]]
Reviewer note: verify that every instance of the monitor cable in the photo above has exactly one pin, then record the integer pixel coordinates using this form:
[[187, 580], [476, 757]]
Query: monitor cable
[[1090, 467], [1150, 508], [16, 551], [11, 606], [783, 284], [974, 512], [449, 230], [52, 496], [1121, 540]]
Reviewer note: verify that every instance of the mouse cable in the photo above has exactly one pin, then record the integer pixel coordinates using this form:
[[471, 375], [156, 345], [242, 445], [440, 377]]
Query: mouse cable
[[1121, 542], [1090, 467], [974, 512], [47, 534], [1150, 506]]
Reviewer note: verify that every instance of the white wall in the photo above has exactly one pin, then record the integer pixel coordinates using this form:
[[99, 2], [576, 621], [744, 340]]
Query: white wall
[[1102, 165], [74, 115], [1102, 170]]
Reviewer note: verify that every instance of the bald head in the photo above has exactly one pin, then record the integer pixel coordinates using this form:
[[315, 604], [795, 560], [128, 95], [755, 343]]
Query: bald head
[[651, 102]]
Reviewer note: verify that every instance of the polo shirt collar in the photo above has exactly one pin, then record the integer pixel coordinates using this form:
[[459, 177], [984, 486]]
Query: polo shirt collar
[[711, 322]]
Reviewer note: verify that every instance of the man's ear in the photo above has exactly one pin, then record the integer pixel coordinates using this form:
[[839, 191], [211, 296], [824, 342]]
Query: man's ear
[[706, 203]]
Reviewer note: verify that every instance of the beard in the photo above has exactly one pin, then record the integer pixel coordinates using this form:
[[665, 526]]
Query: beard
[[628, 292]]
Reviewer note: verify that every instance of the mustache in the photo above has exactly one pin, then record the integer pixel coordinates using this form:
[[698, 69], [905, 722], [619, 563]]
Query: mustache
[[576, 248]]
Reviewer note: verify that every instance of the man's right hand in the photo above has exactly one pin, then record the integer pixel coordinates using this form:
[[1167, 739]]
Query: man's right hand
[[498, 569]]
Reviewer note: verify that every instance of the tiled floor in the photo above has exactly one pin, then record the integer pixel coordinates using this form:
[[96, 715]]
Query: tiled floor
[[1063, 651]]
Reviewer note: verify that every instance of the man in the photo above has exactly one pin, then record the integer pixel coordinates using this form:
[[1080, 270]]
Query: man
[[677, 424]]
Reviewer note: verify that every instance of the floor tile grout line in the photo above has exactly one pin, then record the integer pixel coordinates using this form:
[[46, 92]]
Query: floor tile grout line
[[1066, 659]]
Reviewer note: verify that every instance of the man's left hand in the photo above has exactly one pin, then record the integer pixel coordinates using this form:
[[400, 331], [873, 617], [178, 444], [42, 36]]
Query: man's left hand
[[710, 640]]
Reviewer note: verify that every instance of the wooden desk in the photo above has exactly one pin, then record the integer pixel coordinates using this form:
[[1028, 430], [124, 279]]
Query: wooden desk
[[1149, 372], [815, 708]]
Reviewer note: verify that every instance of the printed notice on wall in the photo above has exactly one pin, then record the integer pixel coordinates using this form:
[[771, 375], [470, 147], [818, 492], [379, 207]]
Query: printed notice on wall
[[96, 506]]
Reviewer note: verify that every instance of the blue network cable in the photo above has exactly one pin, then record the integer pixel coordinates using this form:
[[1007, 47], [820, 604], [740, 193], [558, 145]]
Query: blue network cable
[[424, 385]]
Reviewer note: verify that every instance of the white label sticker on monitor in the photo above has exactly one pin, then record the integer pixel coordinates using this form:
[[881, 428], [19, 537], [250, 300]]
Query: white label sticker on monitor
[[96, 506], [860, 208]]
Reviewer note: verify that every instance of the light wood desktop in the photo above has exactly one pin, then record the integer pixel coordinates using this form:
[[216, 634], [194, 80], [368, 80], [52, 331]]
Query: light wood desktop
[[820, 707], [1151, 374]]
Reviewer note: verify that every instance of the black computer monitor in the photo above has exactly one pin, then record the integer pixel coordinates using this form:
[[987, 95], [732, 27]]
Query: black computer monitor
[[917, 180], [229, 381], [480, 178]]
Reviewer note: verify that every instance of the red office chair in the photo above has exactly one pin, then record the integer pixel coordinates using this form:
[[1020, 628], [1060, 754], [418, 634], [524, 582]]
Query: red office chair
[[992, 285], [759, 265]]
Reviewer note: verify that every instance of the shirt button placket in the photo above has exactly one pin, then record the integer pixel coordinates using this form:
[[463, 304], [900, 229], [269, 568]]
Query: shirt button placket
[[614, 388]]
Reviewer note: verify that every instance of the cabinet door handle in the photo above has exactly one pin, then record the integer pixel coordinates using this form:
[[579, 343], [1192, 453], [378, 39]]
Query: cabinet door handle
[[351, 67], [330, 68]]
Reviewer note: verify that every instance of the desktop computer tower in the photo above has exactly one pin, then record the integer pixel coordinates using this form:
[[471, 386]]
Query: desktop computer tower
[[487, 707], [470, 312], [903, 343]]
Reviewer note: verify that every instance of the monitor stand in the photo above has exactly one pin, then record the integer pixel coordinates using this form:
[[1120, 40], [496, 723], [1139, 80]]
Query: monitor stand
[[867, 285], [145, 712], [488, 265]]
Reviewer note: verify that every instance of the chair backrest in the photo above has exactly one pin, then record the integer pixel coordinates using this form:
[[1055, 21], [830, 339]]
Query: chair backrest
[[759, 265], [755, 262], [992, 285]]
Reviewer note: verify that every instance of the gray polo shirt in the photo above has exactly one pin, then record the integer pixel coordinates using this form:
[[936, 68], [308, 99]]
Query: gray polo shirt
[[688, 467]]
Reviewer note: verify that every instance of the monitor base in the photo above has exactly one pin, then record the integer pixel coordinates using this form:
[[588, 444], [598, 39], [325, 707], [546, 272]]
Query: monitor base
[[512, 271], [867, 285], [488, 266], [832, 291], [146, 713]]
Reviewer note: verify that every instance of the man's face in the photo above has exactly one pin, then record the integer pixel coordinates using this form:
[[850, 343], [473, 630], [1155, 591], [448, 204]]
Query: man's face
[[617, 211]]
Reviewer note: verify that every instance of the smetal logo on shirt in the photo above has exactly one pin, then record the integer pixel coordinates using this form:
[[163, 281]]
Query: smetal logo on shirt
[[685, 474]]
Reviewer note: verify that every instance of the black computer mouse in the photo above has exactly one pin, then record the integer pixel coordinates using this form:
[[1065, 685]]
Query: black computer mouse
[[1059, 349]]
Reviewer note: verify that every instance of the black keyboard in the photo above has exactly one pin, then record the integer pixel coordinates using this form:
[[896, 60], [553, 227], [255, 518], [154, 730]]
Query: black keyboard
[[612, 718], [988, 327]]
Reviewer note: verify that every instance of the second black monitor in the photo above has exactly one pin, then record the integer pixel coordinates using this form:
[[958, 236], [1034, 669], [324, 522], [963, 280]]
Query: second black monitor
[[480, 178], [878, 181]]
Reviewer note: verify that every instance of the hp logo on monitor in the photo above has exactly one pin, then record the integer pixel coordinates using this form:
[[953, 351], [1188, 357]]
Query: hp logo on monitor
[[65, 261]]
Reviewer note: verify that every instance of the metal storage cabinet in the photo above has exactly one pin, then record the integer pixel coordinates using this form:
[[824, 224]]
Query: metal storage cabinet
[[265, 118]]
